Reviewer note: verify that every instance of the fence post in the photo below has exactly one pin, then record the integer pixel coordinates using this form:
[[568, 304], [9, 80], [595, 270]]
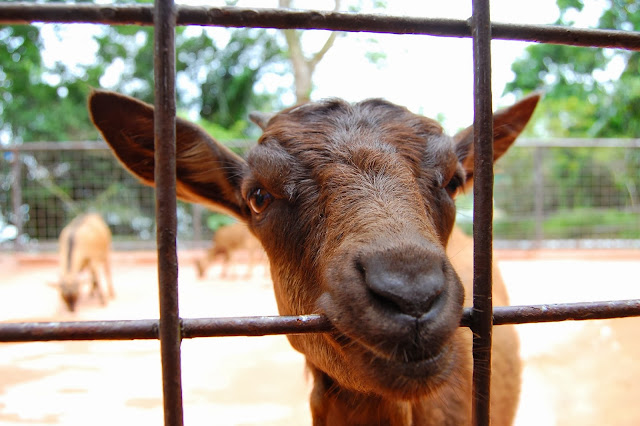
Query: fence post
[[16, 197], [539, 196]]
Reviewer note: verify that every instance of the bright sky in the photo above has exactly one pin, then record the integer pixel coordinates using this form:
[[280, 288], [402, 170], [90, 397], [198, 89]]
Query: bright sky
[[429, 75]]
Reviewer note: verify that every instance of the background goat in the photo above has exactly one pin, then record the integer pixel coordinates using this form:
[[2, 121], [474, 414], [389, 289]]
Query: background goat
[[227, 241], [354, 205], [84, 244]]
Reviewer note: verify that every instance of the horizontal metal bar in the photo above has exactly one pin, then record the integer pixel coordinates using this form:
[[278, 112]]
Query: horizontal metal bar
[[24, 13], [566, 312], [254, 326], [148, 329], [78, 330], [261, 326]]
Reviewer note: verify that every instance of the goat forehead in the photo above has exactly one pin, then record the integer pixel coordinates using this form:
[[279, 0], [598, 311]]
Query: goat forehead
[[333, 127], [302, 140]]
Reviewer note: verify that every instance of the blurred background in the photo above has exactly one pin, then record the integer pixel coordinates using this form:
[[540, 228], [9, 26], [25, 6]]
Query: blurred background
[[571, 181]]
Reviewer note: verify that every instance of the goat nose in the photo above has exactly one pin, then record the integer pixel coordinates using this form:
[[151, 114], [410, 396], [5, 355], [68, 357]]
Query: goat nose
[[408, 284]]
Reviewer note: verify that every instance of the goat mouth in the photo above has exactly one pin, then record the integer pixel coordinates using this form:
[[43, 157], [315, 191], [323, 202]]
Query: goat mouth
[[406, 365]]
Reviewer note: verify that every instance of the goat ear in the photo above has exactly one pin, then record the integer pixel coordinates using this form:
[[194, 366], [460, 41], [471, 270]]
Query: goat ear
[[207, 172], [260, 118], [508, 123]]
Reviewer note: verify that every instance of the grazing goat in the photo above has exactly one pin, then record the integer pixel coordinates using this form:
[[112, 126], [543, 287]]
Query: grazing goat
[[354, 205], [84, 243], [228, 240]]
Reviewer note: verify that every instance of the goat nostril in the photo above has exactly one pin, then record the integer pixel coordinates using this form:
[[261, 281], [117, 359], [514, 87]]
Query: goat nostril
[[409, 288]]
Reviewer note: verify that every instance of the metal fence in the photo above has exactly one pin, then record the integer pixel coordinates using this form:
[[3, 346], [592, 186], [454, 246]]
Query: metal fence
[[46, 184], [552, 193], [170, 328], [565, 193], [569, 193]]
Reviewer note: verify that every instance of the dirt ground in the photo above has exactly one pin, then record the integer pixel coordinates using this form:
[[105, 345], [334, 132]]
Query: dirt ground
[[576, 373]]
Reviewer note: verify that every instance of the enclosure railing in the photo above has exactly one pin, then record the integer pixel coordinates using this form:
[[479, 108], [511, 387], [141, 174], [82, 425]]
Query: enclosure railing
[[170, 328]]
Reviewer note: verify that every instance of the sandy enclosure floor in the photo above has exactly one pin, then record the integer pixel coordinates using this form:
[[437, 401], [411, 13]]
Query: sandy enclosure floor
[[576, 373]]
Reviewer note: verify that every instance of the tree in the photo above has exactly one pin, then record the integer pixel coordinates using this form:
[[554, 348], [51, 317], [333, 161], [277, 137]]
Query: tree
[[303, 65], [589, 92], [227, 91], [218, 78], [26, 96]]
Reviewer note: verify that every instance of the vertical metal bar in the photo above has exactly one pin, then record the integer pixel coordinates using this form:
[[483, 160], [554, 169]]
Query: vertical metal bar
[[166, 204], [482, 320]]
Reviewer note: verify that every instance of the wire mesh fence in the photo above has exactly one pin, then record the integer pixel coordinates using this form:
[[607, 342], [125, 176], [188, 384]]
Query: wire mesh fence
[[47, 184], [566, 193], [552, 193]]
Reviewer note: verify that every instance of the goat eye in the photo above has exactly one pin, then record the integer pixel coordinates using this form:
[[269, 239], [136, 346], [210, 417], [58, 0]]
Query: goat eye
[[454, 184], [259, 200]]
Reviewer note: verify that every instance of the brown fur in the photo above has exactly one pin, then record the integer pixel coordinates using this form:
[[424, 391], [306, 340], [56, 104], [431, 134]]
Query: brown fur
[[228, 240], [84, 244], [354, 207]]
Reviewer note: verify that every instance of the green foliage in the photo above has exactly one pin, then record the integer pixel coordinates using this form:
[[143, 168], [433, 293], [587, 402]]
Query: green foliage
[[216, 77], [589, 92], [218, 220], [221, 76], [235, 131], [227, 90], [217, 71], [26, 99]]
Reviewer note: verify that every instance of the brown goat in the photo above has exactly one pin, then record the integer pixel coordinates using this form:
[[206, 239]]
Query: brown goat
[[228, 240], [84, 243], [354, 205]]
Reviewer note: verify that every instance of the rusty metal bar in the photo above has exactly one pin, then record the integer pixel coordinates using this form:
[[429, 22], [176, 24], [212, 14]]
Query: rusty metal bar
[[166, 206], [269, 325], [481, 318], [255, 326], [21, 13], [148, 329], [566, 312], [78, 330]]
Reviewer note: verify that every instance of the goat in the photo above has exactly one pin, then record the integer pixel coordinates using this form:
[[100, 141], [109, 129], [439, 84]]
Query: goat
[[84, 243], [354, 206], [228, 240]]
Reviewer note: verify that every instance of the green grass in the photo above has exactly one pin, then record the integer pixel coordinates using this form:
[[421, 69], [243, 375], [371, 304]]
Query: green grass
[[571, 224]]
